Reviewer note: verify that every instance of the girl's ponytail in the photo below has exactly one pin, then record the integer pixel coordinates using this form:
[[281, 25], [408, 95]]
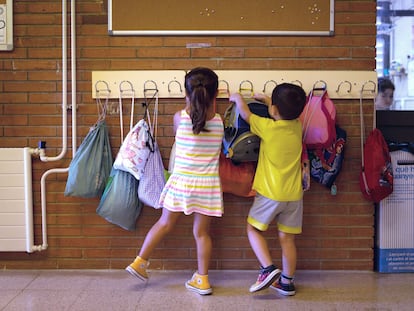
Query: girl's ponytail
[[201, 86]]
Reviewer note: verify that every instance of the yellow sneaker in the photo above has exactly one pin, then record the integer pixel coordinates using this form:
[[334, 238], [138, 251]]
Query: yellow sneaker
[[139, 268], [199, 284]]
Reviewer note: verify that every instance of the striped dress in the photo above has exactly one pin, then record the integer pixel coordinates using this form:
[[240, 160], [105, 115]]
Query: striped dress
[[194, 186]]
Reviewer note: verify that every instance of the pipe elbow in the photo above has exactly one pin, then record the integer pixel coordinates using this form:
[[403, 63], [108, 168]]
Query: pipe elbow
[[42, 156], [39, 248]]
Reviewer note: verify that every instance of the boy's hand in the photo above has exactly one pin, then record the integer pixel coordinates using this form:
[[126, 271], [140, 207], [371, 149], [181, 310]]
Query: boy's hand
[[305, 168], [305, 175], [263, 98]]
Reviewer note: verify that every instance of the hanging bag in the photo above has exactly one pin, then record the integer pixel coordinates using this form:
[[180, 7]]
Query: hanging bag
[[376, 175], [91, 165], [153, 179], [318, 120], [134, 151], [237, 178], [120, 204], [324, 140], [238, 158], [239, 144], [326, 163]]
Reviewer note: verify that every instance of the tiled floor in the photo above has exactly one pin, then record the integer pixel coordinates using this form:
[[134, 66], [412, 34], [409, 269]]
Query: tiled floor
[[103, 290]]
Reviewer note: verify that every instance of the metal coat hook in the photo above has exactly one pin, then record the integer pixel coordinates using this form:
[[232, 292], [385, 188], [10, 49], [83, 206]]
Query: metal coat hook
[[174, 81], [369, 82], [131, 87], [102, 107], [131, 92], [148, 91], [345, 82], [155, 88], [242, 89], [225, 90], [97, 90], [267, 82], [323, 88], [297, 82]]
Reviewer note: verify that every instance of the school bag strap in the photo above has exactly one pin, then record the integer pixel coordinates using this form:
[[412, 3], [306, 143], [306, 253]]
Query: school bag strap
[[363, 90]]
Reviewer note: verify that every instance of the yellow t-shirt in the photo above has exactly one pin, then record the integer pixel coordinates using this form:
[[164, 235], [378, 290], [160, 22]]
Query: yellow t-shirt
[[278, 174]]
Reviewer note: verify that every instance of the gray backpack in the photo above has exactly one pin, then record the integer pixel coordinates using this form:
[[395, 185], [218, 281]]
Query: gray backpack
[[239, 144]]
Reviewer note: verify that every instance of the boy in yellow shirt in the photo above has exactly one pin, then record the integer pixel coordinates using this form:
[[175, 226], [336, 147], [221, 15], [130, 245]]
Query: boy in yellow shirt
[[278, 182]]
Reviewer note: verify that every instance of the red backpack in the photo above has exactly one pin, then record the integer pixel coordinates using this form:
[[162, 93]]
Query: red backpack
[[376, 176]]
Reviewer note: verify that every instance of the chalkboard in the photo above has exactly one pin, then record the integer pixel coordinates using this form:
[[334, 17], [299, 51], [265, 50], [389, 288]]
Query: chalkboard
[[218, 17]]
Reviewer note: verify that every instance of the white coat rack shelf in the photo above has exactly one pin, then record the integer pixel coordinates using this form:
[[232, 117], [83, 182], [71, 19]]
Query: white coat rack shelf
[[170, 83]]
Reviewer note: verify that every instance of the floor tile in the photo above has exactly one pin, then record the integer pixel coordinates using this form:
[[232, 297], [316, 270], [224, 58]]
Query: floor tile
[[102, 290]]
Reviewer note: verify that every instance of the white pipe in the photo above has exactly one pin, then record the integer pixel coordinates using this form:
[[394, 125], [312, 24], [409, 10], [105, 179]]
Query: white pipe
[[43, 199], [73, 74], [43, 157], [64, 116], [28, 194]]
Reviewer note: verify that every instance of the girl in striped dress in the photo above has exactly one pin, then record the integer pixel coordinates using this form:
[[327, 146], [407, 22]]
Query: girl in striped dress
[[194, 187]]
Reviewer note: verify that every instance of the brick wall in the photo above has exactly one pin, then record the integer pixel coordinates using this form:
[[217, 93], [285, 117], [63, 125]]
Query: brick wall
[[338, 230]]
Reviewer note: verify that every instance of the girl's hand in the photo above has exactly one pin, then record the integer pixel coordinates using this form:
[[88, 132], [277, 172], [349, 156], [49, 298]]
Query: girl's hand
[[236, 98]]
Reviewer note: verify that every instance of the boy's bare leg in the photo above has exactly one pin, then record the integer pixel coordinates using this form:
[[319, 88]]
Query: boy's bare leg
[[259, 246], [287, 242]]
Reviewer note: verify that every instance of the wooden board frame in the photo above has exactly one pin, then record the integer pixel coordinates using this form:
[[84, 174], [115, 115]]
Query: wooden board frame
[[189, 17], [169, 83], [6, 25]]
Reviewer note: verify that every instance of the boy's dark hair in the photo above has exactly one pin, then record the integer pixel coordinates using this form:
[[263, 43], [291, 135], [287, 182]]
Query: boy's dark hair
[[201, 85], [290, 100], [385, 84]]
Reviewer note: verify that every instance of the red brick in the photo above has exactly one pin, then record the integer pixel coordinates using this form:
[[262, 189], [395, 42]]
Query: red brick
[[338, 231]]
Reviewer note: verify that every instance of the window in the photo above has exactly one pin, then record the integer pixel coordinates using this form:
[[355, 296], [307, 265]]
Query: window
[[395, 49]]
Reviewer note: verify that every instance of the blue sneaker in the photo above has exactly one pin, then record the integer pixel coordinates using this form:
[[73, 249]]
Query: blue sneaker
[[284, 289]]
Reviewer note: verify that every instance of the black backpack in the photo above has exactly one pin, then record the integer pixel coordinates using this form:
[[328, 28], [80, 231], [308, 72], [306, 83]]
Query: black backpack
[[239, 144]]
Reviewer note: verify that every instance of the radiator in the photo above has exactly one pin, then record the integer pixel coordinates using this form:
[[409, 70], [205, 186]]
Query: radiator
[[16, 203], [395, 218]]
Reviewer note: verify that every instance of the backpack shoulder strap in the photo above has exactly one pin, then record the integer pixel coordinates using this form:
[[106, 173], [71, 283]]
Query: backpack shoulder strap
[[361, 116]]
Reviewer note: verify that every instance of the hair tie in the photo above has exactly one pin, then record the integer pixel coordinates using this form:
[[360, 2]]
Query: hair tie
[[200, 83]]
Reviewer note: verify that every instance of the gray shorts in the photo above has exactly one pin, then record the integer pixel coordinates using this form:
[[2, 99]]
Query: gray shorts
[[288, 215]]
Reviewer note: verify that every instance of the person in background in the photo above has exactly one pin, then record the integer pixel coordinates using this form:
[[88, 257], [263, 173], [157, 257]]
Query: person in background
[[385, 96], [194, 186], [278, 183]]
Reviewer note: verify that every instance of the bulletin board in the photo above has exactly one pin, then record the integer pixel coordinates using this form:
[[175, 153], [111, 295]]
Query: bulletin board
[[218, 17], [6, 25]]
